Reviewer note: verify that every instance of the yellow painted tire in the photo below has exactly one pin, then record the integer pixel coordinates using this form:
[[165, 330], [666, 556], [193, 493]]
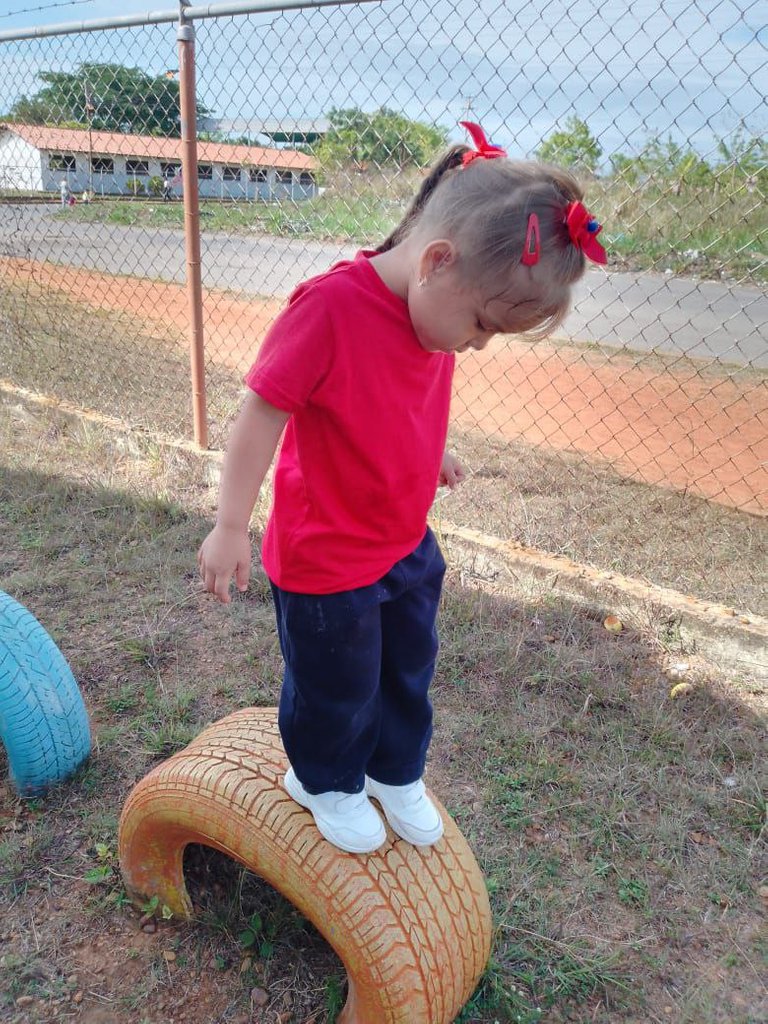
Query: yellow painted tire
[[411, 926]]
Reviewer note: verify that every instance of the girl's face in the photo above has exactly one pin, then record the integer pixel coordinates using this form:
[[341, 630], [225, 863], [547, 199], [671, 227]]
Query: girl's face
[[446, 317], [450, 316]]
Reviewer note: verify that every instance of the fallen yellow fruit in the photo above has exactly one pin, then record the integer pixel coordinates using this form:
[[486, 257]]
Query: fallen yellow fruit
[[613, 624], [680, 690]]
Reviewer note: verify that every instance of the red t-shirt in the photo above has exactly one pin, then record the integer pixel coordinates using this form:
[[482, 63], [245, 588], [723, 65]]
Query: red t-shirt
[[359, 464]]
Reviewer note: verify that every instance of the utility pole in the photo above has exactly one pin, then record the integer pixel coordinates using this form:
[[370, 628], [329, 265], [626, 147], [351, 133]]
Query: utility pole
[[90, 109]]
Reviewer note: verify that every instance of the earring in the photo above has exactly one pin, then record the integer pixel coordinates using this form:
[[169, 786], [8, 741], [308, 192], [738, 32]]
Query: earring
[[421, 282]]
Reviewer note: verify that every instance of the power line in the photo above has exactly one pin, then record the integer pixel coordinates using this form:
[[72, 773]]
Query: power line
[[46, 7]]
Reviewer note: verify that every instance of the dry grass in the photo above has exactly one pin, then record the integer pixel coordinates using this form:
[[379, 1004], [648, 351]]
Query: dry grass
[[99, 359], [561, 503], [620, 831]]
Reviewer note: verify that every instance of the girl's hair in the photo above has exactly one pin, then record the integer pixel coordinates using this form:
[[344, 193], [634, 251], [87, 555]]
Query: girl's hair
[[484, 209]]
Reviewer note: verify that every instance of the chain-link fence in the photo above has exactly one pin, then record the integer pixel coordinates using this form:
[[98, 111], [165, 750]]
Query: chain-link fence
[[631, 439]]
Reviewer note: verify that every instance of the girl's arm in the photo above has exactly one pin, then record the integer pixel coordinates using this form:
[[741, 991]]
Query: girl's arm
[[226, 551], [452, 471]]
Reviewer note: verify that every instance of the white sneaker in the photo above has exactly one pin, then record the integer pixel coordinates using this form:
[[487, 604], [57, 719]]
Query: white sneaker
[[409, 811], [348, 820]]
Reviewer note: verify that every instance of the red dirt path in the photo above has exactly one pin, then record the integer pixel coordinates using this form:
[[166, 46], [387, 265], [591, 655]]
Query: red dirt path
[[685, 429]]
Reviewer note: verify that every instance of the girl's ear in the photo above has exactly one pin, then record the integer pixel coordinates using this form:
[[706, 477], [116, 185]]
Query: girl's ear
[[435, 256]]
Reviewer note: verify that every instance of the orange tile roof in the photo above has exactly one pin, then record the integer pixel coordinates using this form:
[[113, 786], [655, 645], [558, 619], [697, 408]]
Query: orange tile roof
[[75, 140]]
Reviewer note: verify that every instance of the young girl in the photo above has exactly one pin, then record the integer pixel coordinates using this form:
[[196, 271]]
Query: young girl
[[357, 372]]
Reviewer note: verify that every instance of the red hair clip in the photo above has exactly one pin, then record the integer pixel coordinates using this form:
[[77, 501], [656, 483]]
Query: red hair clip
[[532, 247], [584, 229], [483, 148]]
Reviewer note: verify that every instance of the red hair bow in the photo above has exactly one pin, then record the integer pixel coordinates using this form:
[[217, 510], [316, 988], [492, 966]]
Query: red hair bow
[[483, 148], [584, 229]]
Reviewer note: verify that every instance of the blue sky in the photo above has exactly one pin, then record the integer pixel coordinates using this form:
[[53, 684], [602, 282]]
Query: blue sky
[[632, 69]]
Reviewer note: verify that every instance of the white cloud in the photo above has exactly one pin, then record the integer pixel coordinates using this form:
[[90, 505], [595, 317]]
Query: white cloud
[[631, 68]]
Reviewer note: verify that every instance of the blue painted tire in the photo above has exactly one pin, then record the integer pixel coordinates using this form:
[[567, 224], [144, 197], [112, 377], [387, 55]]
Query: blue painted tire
[[43, 721]]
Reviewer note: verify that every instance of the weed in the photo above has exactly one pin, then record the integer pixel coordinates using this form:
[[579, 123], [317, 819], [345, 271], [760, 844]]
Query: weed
[[153, 905], [605, 825], [166, 739], [141, 650], [495, 995], [601, 868], [333, 999], [125, 699], [559, 971], [753, 813], [105, 869], [257, 936], [633, 892]]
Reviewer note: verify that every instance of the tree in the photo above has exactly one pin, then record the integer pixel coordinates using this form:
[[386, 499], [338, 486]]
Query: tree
[[743, 158], [384, 138], [669, 161], [573, 147], [626, 168], [110, 97]]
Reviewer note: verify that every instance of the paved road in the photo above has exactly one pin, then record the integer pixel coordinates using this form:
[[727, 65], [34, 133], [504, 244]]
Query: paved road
[[702, 319]]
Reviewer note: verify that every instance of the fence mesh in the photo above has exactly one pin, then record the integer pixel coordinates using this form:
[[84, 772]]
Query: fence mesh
[[636, 431]]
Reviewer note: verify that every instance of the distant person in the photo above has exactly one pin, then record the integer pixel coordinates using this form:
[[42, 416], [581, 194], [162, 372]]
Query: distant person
[[64, 191], [357, 371], [168, 190], [86, 198]]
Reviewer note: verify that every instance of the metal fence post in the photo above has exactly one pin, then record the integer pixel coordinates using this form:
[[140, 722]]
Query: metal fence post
[[187, 98], [658, 375]]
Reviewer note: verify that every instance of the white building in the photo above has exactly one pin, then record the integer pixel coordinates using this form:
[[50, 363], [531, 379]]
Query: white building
[[34, 158]]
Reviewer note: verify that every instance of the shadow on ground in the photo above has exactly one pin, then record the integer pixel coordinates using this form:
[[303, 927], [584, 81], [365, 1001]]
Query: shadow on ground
[[618, 828]]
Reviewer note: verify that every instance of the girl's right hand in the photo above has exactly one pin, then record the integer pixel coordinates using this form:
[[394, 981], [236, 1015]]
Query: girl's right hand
[[225, 553]]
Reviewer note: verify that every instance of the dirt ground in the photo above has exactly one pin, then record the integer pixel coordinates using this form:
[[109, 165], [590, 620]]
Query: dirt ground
[[681, 426], [621, 829]]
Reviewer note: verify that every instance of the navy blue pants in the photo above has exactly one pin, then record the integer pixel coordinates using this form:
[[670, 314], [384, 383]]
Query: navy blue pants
[[358, 665]]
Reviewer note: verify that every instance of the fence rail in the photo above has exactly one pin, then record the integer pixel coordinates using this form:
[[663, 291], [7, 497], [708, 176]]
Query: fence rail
[[652, 400], [192, 13]]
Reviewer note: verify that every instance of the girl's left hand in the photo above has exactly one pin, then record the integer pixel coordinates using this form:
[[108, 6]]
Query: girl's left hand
[[452, 471]]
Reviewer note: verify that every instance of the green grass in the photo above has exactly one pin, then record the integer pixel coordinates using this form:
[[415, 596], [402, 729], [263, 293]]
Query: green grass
[[720, 232], [354, 220], [713, 233]]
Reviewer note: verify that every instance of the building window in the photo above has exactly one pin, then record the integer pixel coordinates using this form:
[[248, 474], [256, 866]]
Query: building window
[[285, 177], [257, 174], [136, 166], [168, 170], [230, 173], [103, 165], [62, 162], [307, 179], [205, 172]]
